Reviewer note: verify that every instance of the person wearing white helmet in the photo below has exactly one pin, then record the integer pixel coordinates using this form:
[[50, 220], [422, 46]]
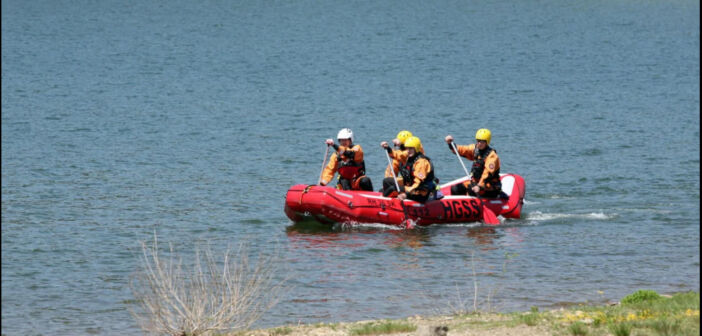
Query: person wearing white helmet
[[485, 173], [347, 160]]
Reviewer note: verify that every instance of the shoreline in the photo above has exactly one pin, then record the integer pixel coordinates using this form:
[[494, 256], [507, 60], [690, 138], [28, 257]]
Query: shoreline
[[651, 315]]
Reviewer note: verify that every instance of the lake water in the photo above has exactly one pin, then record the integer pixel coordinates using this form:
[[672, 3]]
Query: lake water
[[190, 119]]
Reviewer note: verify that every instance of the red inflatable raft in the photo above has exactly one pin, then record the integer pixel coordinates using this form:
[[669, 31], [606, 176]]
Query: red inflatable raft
[[330, 205]]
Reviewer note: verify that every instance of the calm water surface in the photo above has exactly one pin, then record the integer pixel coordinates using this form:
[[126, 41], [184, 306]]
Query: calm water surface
[[192, 119]]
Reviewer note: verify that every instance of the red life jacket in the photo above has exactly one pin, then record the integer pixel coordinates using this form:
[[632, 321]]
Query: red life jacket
[[350, 169]]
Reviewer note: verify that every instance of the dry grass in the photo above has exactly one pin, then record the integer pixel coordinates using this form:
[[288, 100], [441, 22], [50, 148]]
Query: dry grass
[[214, 297], [479, 298]]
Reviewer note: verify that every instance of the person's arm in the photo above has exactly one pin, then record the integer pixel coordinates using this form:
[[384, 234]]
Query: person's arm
[[399, 155], [464, 151], [421, 171], [358, 153], [467, 151], [331, 143], [330, 169], [492, 164], [395, 165], [391, 168]]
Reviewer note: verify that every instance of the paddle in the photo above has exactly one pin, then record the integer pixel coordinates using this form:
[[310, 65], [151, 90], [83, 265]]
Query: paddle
[[408, 224], [397, 185], [324, 163], [489, 217]]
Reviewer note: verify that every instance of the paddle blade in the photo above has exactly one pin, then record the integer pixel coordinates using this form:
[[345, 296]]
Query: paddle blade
[[489, 217], [409, 224]]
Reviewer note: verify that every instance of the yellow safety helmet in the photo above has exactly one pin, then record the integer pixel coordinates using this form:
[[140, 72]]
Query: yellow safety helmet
[[403, 135], [483, 134], [414, 142]]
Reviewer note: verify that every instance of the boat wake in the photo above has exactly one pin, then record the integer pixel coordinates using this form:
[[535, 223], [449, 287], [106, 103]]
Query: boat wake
[[539, 216], [355, 226]]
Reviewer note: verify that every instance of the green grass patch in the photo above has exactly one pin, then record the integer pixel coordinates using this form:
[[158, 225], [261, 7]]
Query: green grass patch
[[281, 331], [641, 295], [530, 319], [620, 329], [332, 326], [645, 313], [666, 327], [383, 327], [578, 329], [471, 323]]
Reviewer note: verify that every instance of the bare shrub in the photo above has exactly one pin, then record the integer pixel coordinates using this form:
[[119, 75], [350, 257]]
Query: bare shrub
[[480, 299], [228, 295]]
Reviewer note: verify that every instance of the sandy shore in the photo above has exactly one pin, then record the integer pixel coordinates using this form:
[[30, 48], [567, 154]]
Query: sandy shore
[[484, 324], [644, 312]]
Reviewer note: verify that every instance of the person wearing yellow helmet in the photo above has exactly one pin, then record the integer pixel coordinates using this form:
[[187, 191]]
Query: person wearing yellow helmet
[[347, 160], [485, 172], [403, 135], [399, 155], [417, 173]]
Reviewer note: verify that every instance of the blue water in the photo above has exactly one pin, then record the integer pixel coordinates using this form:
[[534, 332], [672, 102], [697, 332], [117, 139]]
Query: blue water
[[121, 119]]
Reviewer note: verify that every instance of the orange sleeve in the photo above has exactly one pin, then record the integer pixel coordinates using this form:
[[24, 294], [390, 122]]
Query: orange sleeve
[[330, 169], [395, 168], [421, 169], [492, 164], [358, 156], [399, 155], [467, 151]]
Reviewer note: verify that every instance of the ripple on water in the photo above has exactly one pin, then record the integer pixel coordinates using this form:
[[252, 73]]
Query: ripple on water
[[109, 140]]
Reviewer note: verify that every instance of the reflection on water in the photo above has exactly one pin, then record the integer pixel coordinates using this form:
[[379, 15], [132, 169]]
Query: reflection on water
[[109, 136], [311, 234], [486, 236], [316, 235]]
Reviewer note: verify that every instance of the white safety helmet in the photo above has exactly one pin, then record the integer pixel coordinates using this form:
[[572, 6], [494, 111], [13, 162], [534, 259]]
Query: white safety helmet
[[345, 133]]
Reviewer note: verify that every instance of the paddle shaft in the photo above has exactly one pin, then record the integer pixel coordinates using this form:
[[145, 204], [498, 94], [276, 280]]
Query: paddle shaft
[[397, 186], [407, 221], [392, 170], [324, 163], [455, 150]]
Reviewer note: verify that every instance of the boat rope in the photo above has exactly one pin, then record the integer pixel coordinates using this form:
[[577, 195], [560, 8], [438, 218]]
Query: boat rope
[[307, 188]]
